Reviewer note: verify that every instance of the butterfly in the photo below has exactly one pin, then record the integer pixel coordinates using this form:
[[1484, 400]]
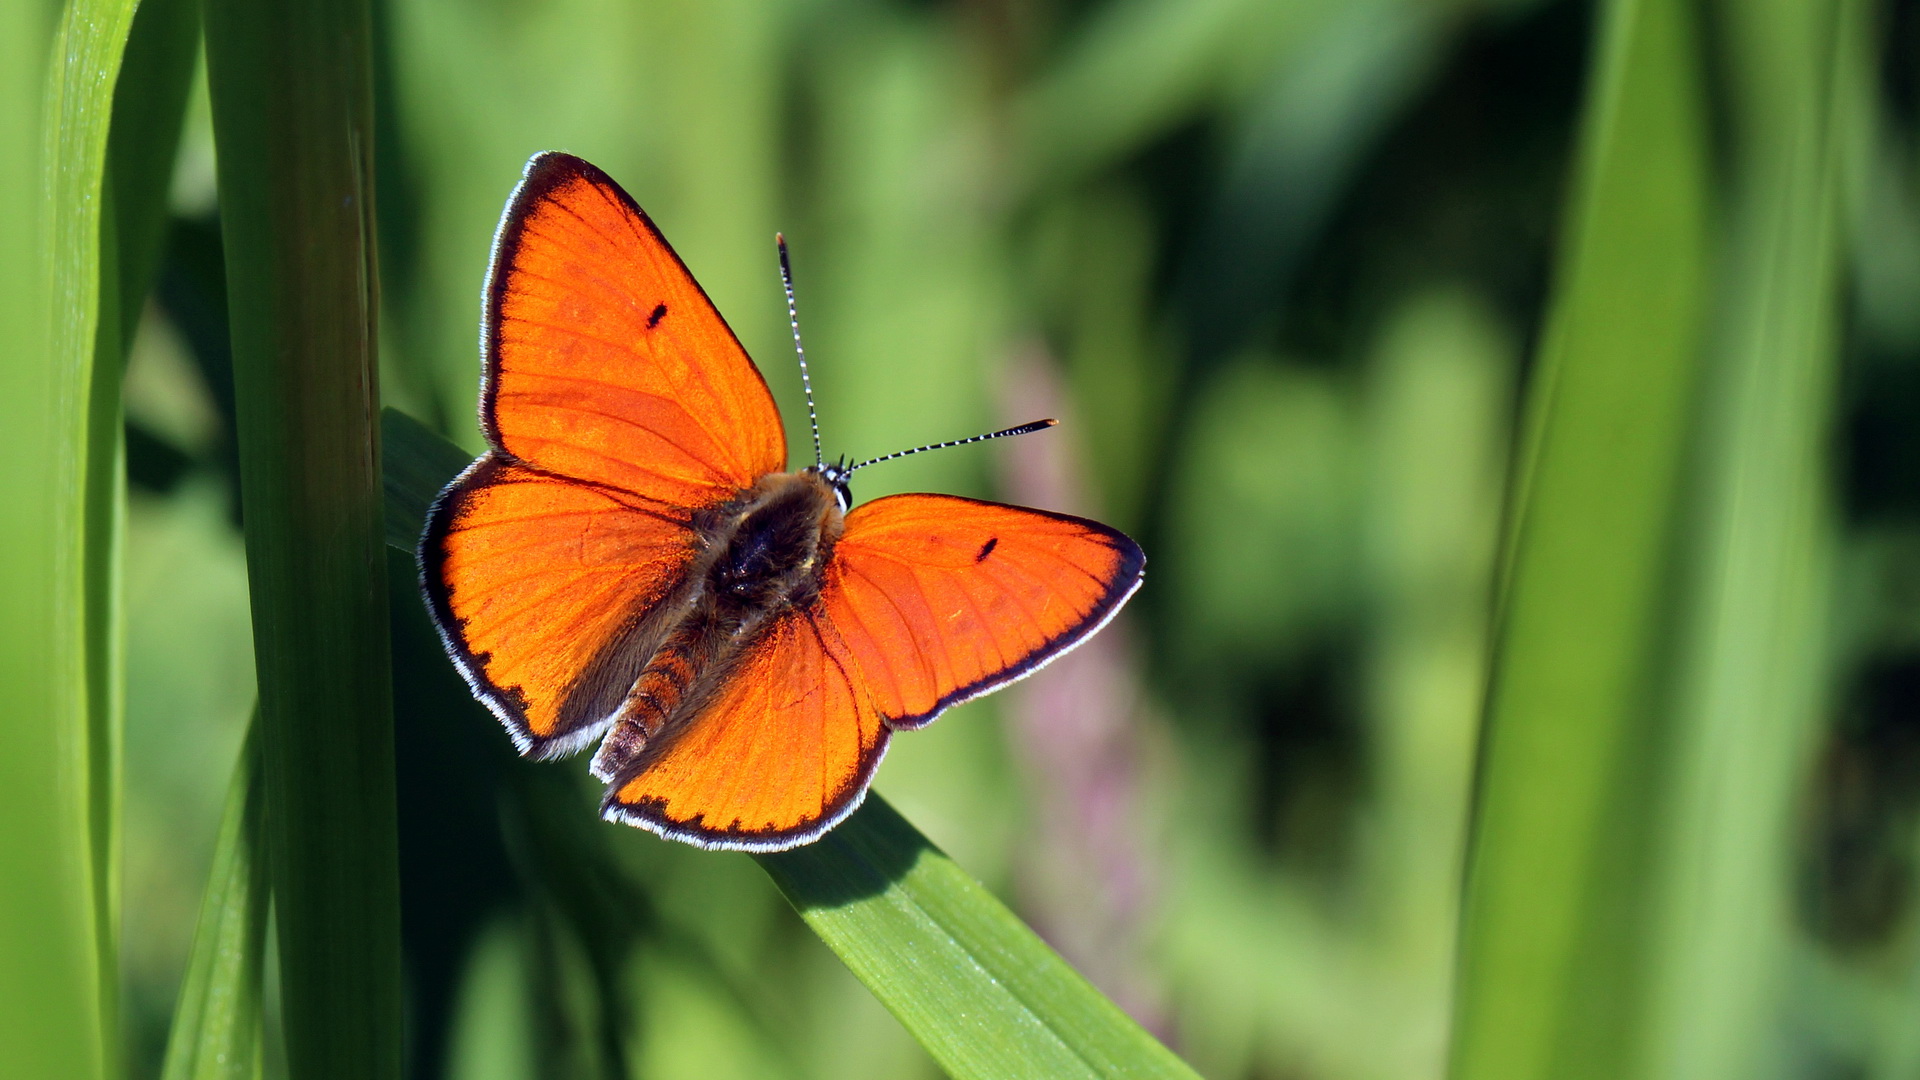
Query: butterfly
[[632, 563]]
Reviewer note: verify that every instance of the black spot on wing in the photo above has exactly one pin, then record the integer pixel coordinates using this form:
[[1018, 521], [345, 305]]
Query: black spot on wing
[[659, 312], [986, 549]]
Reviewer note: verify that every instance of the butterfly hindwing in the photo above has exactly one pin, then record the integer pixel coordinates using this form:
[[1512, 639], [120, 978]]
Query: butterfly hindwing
[[782, 749], [941, 599], [605, 361]]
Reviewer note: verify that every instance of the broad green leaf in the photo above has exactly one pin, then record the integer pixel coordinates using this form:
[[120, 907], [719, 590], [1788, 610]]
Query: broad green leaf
[[967, 978], [290, 86], [1552, 956], [216, 1023]]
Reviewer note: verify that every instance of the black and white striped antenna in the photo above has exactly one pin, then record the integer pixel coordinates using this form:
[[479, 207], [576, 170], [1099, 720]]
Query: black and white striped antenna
[[793, 318], [841, 472], [1037, 425]]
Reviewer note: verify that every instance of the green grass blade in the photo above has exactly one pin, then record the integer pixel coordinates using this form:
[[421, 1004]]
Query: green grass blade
[[89, 345], [145, 118], [981, 992], [1757, 654], [50, 966], [290, 85], [1553, 930], [967, 978], [216, 1024]]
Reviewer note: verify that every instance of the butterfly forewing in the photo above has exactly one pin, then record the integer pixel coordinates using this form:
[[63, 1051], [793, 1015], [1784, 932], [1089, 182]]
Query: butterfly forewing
[[618, 405], [605, 360]]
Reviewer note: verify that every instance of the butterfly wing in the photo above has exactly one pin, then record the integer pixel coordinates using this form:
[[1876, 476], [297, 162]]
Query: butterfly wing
[[539, 587], [928, 600], [783, 749], [618, 404], [605, 361], [940, 599]]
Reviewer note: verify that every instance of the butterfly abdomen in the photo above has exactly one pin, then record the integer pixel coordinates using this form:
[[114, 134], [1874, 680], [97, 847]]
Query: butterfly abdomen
[[662, 685], [659, 690]]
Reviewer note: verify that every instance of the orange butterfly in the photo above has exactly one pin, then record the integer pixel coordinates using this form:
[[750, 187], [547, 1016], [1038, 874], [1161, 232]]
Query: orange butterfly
[[631, 562]]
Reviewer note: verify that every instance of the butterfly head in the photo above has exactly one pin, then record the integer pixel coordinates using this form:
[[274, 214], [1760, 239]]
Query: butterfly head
[[838, 475]]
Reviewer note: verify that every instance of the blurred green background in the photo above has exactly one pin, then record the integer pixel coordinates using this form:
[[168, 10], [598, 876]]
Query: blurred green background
[[1282, 267]]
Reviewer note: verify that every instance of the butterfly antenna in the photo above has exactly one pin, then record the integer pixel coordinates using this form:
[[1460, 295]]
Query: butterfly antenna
[[793, 318], [1037, 425]]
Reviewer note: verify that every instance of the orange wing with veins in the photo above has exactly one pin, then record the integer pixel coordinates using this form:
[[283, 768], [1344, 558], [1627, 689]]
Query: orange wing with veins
[[929, 600], [784, 749], [605, 361], [617, 403], [941, 599], [537, 584]]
